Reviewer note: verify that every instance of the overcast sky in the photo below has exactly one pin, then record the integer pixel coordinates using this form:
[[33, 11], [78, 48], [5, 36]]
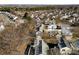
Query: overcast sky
[[39, 1]]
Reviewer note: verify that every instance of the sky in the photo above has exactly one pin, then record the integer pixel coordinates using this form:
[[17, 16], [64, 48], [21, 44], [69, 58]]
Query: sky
[[39, 2]]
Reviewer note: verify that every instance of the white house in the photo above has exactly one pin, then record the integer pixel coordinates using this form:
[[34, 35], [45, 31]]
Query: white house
[[2, 27], [65, 51], [42, 28], [15, 18], [41, 47], [52, 27], [65, 17]]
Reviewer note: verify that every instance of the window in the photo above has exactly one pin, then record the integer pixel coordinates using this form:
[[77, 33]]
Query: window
[[63, 50]]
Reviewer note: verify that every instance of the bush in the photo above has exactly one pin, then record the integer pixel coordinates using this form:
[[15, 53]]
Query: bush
[[5, 9], [27, 17]]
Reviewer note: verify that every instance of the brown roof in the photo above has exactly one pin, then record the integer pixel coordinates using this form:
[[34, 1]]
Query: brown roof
[[49, 39]]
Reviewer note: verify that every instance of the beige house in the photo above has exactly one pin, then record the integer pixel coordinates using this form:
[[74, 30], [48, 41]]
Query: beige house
[[68, 37]]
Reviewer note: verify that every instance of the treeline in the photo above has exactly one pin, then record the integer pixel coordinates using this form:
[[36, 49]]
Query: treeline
[[32, 8], [41, 8], [5, 9], [25, 9]]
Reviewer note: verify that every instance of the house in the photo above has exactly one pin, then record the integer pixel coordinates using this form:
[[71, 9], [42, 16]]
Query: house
[[51, 27], [42, 28], [45, 48], [11, 16], [40, 46], [15, 17], [64, 48], [75, 15], [32, 16], [75, 44], [47, 21], [1, 27], [67, 33]]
